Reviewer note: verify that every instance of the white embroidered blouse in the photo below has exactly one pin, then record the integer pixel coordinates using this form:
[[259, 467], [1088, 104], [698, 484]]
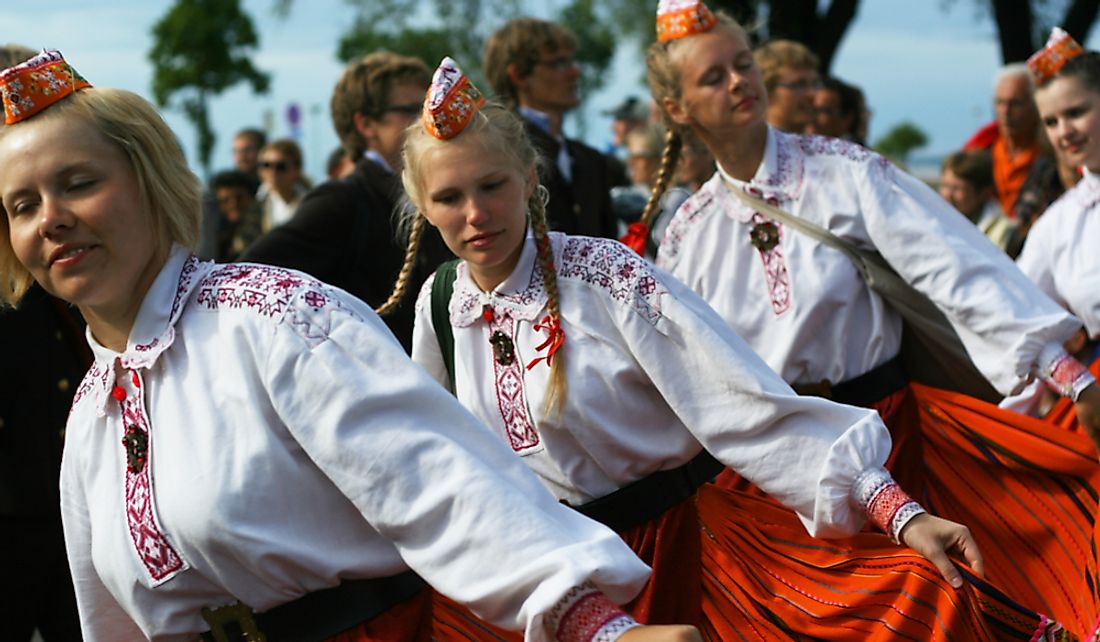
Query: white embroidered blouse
[[1061, 256], [654, 375], [801, 304], [290, 443]]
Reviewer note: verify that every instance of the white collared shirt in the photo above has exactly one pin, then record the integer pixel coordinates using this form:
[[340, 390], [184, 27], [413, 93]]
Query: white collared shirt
[[1061, 256], [653, 375], [291, 443], [803, 307]]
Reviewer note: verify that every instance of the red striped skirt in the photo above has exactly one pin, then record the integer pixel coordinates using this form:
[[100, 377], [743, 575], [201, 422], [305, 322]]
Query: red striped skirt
[[409, 621]]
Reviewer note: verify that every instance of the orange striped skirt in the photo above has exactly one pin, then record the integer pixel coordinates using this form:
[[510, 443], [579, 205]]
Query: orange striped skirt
[[1028, 493]]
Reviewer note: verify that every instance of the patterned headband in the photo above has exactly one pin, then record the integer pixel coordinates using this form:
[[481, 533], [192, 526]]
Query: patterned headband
[[682, 18], [1060, 49], [451, 102], [34, 85]]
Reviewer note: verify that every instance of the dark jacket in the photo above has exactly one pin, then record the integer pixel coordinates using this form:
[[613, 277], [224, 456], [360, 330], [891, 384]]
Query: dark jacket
[[45, 357], [582, 206], [343, 233]]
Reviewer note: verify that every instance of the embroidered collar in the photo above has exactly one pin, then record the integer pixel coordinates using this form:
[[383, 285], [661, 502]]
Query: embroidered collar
[[522, 294], [154, 327], [779, 176]]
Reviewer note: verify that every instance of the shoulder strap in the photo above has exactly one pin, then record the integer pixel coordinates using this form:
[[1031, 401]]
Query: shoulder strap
[[442, 288]]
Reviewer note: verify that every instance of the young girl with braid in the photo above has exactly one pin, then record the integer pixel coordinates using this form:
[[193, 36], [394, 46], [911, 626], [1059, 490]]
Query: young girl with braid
[[619, 387], [1028, 492]]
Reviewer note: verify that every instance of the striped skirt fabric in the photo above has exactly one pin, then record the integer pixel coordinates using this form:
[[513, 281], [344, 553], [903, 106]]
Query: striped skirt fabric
[[1028, 493]]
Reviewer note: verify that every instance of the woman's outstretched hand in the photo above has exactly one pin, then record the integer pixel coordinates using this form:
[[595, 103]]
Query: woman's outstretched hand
[[663, 633], [934, 537]]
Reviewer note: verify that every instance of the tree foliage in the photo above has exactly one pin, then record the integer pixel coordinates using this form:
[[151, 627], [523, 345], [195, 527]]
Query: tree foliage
[[201, 48], [1023, 25], [900, 141]]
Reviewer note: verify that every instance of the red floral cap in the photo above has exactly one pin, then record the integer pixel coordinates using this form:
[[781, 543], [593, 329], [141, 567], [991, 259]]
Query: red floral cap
[[451, 101], [1060, 48], [34, 85], [682, 18]]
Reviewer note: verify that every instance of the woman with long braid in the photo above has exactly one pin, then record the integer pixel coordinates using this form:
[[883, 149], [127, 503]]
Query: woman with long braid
[[800, 301], [658, 389]]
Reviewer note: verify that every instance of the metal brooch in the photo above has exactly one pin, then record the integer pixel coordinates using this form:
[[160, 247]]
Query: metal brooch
[[504, 351], [764, 235]]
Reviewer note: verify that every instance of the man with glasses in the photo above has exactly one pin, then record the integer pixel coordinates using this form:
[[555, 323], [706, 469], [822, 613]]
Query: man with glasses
[[529, 64], [342, 232], [790, 75]]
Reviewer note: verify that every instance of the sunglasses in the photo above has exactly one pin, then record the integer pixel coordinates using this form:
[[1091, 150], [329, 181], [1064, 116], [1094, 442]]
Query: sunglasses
[[278, 166]]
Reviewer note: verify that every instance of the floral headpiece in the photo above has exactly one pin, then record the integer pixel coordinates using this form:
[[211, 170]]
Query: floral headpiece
[[451, 101], [1060, 48], [682, 18], [34, 85]]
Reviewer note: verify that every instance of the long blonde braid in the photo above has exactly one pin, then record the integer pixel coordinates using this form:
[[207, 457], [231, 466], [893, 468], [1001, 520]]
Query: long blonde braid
[[669, 158], [556, 391], [416, 230]]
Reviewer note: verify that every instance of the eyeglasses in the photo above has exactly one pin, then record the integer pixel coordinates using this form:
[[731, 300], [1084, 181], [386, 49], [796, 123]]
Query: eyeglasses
[[561, 63], [278, 166], [411, 109], [800, 85]]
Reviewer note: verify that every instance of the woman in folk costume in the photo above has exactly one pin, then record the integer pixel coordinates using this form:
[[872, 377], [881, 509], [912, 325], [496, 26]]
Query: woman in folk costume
[[1027, 492], [251, 453], [1058, 255], [617, 386]]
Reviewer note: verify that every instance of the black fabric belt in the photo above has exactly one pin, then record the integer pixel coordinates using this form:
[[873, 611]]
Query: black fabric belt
[[652, 495], [322, 614], [863, 390]]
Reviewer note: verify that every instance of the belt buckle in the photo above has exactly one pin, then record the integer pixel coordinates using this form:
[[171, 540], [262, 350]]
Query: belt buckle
[[239, 613]]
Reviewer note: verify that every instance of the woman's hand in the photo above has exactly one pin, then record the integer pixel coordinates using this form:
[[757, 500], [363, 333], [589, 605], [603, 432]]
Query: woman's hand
[[1088, 412], [664, 633], [933, 537]]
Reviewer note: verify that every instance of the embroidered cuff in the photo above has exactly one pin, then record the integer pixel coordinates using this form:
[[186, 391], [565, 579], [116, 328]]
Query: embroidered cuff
[[587, 615], [1062, 373], [884, 502]]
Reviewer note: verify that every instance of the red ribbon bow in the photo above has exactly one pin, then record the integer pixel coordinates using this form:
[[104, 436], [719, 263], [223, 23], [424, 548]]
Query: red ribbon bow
[[635, 237], [555, 337]]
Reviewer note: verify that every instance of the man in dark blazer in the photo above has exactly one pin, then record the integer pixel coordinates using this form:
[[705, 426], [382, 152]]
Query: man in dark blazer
[[529, 63], [343, 231]]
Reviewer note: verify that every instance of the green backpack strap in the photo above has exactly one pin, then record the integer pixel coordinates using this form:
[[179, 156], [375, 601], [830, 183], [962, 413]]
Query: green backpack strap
[[442, 288]]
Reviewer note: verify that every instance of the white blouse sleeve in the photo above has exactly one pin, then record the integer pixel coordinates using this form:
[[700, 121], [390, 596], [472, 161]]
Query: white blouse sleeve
[[1004, 321], [463, 511], [1034, 261], [101, 616], [807, 452], [426, 350]]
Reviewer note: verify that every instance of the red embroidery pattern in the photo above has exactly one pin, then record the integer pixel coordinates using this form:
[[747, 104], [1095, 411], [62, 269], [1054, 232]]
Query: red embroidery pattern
[[613, 267], [95, 378], [886, 504], [511, 395], [265, 290], [1064, 373], [589, 617], [156, 554], [775, 269]]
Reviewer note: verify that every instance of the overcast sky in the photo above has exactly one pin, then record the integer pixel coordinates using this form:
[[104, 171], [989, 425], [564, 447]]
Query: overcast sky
[[917, 61]]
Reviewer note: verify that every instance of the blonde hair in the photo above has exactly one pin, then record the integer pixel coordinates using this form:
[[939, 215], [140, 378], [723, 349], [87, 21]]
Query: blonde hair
[[171, 192], [663, 76], [502, 134]]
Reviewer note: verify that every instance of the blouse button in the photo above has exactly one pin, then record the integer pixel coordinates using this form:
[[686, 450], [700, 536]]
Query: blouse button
[[118, 393]]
